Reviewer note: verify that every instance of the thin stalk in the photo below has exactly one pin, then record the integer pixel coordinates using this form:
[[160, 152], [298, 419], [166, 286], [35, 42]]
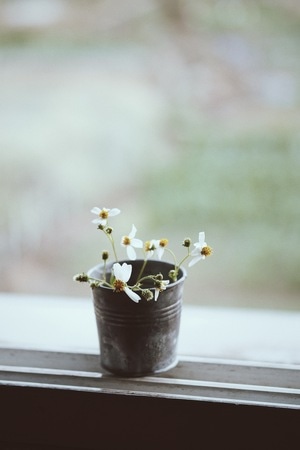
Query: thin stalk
[[114, 249], [102, 282], [104, 269], [184, 259], [109, 236], [142, 270], [174, 257], [147, 277]]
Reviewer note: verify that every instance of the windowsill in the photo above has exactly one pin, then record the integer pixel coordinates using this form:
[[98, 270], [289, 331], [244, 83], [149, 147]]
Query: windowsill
[[49, 339], [238, 371], [67, 324]]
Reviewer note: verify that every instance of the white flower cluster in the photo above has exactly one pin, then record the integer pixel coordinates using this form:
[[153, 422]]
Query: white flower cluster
[[122, 273]]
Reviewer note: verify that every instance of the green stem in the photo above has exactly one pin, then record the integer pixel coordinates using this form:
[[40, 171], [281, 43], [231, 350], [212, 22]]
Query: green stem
[[102, 282], [184, 259], [109, 236], [114, 249], [104, 270], [142, 270], [174, 257], [147, 277]]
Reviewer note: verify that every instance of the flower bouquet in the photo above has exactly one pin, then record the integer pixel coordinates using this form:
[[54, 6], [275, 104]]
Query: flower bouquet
[[155, 247]]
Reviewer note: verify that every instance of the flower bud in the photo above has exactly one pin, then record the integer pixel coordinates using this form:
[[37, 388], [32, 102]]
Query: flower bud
[[81, 277], [173, 274], [158, 284], [187, 242], [105, 255], [108, 230], [147, 294]]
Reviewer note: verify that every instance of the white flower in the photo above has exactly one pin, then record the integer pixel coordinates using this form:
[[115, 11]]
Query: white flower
[[130, 242], [122, 275], [156, 246], [150, 247], [103, 214], [160, 286], [201, 250], [162, 243]]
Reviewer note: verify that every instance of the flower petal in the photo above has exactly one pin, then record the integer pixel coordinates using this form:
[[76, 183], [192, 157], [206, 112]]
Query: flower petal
[[126, 272], [95, 210], [160, 252], [117, 270], [113, 212], [133, 295], [131, 252], [196, 251], [132, 232], [98, 221], [137, 243], [149, 254], [202, 238], [196, 259]]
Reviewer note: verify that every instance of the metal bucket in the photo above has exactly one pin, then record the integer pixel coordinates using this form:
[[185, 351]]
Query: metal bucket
[[137, 339]]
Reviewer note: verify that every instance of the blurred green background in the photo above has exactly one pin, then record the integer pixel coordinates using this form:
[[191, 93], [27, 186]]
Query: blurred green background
[[183, 114]]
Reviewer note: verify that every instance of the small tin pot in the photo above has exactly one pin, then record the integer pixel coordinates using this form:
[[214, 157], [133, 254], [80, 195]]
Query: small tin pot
[[138, 339]]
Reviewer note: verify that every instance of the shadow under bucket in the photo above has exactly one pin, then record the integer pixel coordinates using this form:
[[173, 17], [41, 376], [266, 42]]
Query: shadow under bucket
[[137, 339]]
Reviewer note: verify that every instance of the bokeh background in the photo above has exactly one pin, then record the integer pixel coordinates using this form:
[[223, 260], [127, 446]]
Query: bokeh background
[[183, 114]]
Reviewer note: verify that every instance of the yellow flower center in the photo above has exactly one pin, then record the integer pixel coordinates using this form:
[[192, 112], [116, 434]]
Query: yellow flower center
[[149, 246], [119, 285], [163, 242], [206, 251], [126, 240], [103, 214]]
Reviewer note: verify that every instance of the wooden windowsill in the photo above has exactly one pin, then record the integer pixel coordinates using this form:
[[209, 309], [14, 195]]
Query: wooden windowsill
[[237, 374], [192, 379], [233, 355]]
